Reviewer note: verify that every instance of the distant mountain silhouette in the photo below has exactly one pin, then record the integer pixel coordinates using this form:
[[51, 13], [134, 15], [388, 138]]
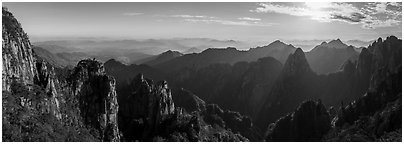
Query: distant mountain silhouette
[[329, 57], [359, 43], [163, 57], [60, 59], [71, 58], [147, 46], [68, 50], [230, 55], [192, 50], [338, 44]]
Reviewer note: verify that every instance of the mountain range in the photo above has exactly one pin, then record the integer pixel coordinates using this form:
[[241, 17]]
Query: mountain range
[[324, 58], [275, 92]]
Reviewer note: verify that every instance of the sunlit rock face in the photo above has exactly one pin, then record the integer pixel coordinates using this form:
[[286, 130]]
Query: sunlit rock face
[[20, 65], [18, 61], [46, 78], [97, 97]]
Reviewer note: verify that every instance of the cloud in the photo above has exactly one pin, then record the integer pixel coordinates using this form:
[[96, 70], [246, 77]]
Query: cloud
[[354, 17], [244, 21], [249, 19], [189, 16], [269, 7], [132, 14], [370, 15], [230, 22]]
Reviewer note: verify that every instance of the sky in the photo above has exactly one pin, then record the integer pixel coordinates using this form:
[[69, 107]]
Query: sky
[[224, 21]]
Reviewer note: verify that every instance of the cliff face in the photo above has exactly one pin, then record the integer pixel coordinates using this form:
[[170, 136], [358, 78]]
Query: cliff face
[[21, 66], [32, 85], [46, 78], [18, 61], [94, 91], [97, 98]]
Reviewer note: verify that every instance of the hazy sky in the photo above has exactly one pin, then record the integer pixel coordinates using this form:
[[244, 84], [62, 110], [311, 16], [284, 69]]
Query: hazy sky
[[238, 21]]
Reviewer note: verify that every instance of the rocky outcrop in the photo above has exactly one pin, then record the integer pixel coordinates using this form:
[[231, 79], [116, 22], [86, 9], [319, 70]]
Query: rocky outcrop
[[90, 94], [309, 122], [18, 60], [95, 92], [182, 126], [214, 115], [144, 108], [46, 78]]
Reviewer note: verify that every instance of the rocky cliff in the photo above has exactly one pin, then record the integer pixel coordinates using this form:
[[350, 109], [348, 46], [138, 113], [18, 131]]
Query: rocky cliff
[[18, 61], [20, 65], [97, 97], [46, 78], [87, 96]]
